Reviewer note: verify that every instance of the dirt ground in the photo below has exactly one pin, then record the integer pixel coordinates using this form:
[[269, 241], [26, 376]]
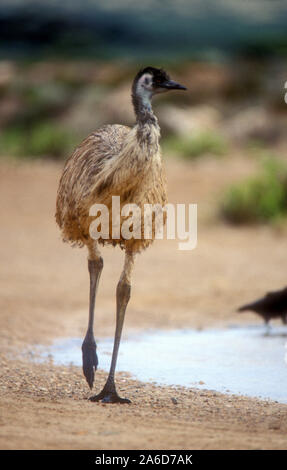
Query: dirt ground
[[44, 295]]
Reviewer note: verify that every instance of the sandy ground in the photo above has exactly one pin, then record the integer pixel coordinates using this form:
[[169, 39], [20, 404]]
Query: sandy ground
[[44, 292]]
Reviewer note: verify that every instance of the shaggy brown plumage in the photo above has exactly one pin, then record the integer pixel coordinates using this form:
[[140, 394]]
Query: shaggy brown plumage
[[113, 161]]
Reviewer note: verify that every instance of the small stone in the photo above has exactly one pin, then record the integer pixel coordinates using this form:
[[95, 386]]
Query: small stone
[[274, 426], [174, 400]]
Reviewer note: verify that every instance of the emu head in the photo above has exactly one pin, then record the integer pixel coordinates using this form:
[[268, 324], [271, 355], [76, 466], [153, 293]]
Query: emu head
[[150, 81]]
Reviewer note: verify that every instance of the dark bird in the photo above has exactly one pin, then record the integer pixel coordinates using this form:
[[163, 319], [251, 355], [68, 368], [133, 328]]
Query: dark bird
[[272, 305], [122, 161]]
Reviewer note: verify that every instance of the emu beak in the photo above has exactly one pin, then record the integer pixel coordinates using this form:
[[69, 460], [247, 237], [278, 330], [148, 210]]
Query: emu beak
[[171, 85]]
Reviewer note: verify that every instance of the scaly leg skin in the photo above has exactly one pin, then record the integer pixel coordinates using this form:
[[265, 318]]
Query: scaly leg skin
[[109, 393], [90, 359], [89, 347]]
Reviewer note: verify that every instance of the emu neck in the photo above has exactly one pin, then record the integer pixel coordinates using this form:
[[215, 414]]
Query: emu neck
[[147, 128], [143, 110]]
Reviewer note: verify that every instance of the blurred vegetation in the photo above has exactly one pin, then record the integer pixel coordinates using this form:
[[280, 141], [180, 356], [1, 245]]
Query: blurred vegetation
[[161, 30], [31, 128], [258, 199], [40, 140], [189, 147], [66, 68], [47, 107]]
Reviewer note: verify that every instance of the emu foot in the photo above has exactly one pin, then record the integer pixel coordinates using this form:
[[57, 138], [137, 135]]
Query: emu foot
[[109, 395], [90, 360]]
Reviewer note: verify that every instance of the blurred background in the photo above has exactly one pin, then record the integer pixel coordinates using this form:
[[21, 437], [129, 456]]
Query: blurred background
[[66, 68]]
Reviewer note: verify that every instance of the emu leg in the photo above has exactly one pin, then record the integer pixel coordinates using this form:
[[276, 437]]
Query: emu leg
[[267, 326], [89, 347], [109, 393]]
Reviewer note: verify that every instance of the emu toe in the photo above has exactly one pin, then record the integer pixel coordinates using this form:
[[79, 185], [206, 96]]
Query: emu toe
[[109, 395], [90, 361]]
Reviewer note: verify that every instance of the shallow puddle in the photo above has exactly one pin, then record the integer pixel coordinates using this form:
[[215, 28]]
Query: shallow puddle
[[234, 360]]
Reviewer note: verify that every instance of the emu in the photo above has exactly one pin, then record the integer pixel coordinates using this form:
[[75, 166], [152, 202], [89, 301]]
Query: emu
[[115, 160], [272, 305]]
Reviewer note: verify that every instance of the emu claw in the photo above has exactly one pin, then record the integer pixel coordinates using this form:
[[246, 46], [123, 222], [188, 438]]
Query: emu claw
[[90, 361]]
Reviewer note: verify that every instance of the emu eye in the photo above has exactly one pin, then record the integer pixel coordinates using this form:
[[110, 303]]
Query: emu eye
[[146, 81]]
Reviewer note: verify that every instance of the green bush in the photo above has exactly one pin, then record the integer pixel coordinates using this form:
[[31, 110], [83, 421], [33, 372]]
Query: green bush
[[44, 139], [262, 198], [38, 103], [196, 146]]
